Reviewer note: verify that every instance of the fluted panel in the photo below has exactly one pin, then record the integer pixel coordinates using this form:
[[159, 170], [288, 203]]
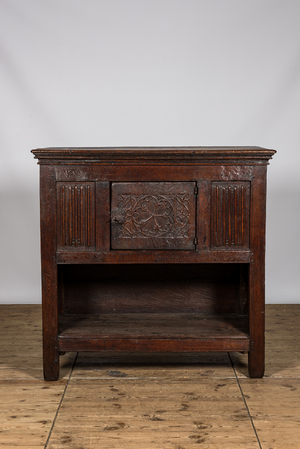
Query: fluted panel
[[230, 215], [76, 215]]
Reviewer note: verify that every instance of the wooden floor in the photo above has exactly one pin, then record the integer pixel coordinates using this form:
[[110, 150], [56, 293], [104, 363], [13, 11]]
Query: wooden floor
[[148, 401]]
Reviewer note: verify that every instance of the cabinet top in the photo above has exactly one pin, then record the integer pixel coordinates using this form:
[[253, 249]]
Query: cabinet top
[[134, 155]]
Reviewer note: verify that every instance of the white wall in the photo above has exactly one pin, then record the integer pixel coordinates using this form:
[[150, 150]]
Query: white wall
[[147, 72]]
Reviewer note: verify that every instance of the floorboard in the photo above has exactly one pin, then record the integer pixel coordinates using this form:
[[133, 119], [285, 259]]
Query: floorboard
[[172, 401]]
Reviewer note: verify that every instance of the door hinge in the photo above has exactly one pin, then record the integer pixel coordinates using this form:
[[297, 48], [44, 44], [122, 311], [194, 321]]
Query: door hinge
[[196, 190], [195, 241]]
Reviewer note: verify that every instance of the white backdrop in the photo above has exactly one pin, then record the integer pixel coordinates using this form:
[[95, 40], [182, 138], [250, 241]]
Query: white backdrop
[[147, 72]]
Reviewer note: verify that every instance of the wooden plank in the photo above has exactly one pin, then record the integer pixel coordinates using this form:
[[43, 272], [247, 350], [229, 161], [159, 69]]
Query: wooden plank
[[282, 343], [159, 413], [68, 343], [274, 406], [27, 410], [151, 325], [146, 257], [149, 332], [15, 440], [113, 365], [21, 344], [32, 368], [282, 311], [24, 447]]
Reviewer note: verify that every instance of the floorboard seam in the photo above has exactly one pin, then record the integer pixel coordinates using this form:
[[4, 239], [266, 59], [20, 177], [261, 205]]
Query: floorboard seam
[[244, 399], [61, 401]]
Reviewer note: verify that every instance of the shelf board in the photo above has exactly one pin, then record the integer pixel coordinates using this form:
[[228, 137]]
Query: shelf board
[[163, 332], [76, 256]]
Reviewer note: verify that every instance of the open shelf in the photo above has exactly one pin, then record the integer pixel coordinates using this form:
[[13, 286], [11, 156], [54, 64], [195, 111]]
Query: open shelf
[[163, 332]]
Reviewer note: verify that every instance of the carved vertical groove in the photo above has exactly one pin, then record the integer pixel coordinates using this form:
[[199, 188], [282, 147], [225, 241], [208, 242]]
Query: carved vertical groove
[[230, 219], [242, 211], [81, 216], [76, 215]]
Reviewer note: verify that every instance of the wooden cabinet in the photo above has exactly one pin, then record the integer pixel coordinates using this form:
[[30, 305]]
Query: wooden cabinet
[[153, 249]]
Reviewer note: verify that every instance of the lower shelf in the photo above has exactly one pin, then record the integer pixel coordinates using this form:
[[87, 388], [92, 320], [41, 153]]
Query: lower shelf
[[154, 332]]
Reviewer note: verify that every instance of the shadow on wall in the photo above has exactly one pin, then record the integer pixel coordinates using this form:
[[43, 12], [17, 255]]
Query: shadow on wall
[[20, 246]]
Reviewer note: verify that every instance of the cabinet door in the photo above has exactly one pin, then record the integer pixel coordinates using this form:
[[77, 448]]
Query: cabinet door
[[153, 215]]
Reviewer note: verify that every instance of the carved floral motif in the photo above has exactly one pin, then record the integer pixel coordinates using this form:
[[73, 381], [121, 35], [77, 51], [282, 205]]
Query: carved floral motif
[[159, 216]]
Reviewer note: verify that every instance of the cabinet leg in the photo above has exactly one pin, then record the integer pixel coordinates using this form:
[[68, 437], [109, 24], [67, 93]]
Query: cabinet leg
[[49, 271], [51, 364], [256, 364]]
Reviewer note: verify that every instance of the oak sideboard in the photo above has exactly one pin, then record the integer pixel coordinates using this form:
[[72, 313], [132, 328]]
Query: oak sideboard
[[153, 249]]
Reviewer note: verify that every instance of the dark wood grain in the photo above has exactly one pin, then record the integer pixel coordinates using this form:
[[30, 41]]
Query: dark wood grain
[[230, 209], [203, 211], [123, 172], [103, 217], [49, 272], [149, 288], [154, 332], [75, 216], [164, 247], [206, 155], [145, 256], [257, 274], [153, 215]]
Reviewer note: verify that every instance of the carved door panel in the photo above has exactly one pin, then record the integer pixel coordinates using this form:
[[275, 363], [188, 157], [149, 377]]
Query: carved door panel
[[153, 215]]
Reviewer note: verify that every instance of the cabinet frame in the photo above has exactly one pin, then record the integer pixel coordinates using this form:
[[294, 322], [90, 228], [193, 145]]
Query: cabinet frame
[[99, 168]]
